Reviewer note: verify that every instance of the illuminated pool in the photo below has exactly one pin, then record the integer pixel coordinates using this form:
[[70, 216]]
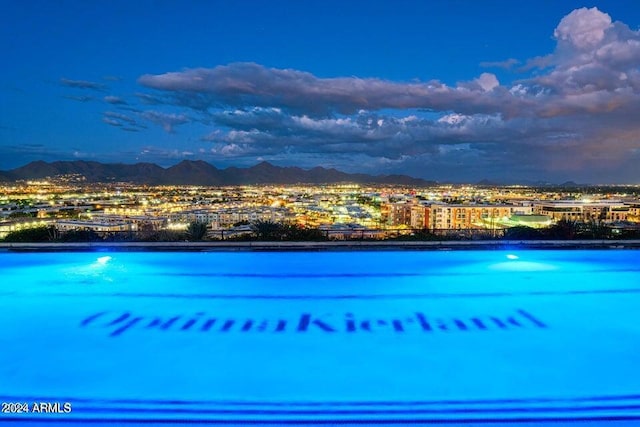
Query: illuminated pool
[[537, 337]]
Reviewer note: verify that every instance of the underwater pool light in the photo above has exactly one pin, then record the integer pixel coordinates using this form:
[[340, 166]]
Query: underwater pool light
[[103, 260], [512, 256]]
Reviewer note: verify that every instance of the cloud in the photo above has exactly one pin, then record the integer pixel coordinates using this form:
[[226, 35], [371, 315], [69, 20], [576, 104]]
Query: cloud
[[167, 121], [506, 64], [583, 28], [145, 98], [79, 98], [111, 121], [592, 46], [116, 100], [487, 81], [572, 110], [83, 84], [122, 121], [83, 154], [162, 155], [119, 117], [265, 131], [249, 84]]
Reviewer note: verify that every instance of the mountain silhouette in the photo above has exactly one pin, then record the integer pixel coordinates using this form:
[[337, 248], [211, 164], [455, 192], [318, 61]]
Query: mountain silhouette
[[198, 172]]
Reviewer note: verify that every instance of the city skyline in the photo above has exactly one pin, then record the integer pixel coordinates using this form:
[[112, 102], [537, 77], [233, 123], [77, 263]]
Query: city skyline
[[455, 92]]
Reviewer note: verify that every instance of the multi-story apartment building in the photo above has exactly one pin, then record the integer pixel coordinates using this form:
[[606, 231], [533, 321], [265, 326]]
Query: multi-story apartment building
[[223, 218], [399, 213], [634, 212], [600, 210], [441, 216], [455, 217], [99, 226], [420, 216], [139, 222]]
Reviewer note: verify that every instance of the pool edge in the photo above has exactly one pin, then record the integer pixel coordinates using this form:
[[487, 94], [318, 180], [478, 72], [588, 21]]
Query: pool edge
[[319, 246]]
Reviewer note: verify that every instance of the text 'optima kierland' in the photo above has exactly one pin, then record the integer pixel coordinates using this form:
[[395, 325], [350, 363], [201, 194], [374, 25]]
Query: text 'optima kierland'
[[117, 323]]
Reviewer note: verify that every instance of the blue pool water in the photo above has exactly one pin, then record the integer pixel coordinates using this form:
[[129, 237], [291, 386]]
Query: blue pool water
[[257, 337]]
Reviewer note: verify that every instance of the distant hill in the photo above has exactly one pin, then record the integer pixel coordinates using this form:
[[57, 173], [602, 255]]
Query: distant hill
[[199, 172]]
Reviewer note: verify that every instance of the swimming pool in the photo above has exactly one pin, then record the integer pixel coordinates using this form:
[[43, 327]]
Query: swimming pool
[[319, 337]]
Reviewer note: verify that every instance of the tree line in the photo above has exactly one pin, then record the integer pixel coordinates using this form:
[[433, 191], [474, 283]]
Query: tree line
[[284, 231]]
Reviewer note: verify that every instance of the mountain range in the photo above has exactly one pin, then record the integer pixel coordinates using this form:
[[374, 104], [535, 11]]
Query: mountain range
[[198, 172]]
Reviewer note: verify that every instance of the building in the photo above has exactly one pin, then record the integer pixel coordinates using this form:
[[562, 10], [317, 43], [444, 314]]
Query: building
[[351, 232], [583, 211], [97, 226], [634, 212], [225, 218], [399, 214], [420, 216], [7, 227], [459, 216]]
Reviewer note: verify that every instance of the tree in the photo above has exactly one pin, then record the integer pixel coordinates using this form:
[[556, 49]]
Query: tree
[[14, 215], [267, 230], [423, 234], [522, 232], [32, 235], [162, 236], [297, 232], [81, 235], [196, 231], [564, 229], [275, 231], [595, 230]]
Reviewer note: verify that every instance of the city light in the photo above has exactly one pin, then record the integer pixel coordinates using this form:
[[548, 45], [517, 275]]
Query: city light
[[339, 211]]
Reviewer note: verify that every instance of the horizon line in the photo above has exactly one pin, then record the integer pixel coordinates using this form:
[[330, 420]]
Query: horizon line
[[481, 182]]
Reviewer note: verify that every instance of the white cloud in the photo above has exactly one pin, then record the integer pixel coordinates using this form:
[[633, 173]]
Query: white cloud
[[452, 119], [583, 28], [488, 81]]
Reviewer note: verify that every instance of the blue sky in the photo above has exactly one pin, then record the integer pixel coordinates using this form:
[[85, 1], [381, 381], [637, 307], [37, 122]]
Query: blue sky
[[455, 90]]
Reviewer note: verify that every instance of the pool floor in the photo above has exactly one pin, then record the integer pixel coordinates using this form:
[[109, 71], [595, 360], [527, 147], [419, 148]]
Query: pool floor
[[466, 337]]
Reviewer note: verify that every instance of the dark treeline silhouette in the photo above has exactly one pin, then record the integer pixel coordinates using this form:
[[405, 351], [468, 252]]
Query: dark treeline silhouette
[[273, 231], [277, 231]]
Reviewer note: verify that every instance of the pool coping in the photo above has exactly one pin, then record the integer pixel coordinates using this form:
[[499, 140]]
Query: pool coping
[[319, 246]]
